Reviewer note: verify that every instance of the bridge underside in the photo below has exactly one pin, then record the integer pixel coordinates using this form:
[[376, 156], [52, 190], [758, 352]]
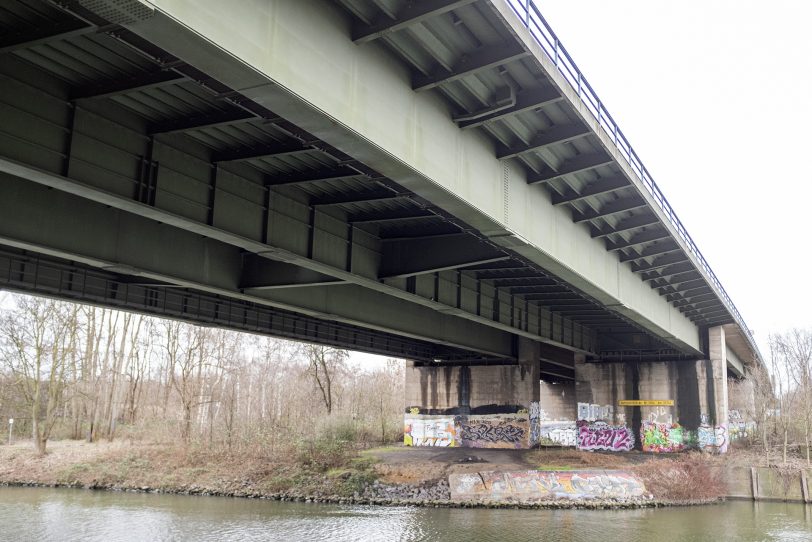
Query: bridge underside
[[143, 167], [133, 178]]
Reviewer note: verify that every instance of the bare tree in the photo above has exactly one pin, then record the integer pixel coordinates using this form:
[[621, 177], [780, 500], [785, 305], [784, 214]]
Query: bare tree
[[324, 363], [794, 350], [81, 370], [35, 349]]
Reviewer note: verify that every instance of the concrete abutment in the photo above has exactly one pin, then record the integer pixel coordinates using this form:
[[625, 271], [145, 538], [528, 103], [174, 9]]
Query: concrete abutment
[[476, 406], [650, 406]]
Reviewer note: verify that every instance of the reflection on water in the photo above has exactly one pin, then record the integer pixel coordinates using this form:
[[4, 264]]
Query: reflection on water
[[64, 514]]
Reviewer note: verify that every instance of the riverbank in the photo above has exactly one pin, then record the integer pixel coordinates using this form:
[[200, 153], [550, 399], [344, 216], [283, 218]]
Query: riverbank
[[383, 476]]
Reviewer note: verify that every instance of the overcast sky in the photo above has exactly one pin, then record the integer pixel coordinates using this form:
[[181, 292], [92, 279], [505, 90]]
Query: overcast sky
[[716, 98]]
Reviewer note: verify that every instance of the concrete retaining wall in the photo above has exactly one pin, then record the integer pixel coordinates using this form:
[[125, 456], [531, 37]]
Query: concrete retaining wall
[[768, 484], [475, 431], [529, 486], [474, 406]]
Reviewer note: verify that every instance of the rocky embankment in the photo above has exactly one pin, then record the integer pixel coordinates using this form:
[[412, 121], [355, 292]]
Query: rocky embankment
[[435, 495]]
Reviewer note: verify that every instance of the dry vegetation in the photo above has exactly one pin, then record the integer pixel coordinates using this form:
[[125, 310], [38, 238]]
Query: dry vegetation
[[691, 476], [86, 373], [160, 467], [105, 398]]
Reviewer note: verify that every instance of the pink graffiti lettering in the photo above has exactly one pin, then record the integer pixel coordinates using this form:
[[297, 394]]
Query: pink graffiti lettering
[[601, 436]]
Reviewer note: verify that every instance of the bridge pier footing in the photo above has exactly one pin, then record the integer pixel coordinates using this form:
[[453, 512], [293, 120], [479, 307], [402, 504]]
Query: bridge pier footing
[[678, 405], [474, 405], [650, 406]]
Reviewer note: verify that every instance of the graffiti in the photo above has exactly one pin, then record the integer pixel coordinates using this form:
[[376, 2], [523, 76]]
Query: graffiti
[[737, 427], [720, 432], [475, 431], [559, 433], [503, 431], [660, 415], [713, 438], [601, 436], [740, 430], [485, 432], [534, 422], [414, 410], [662, 437], [429, 432], [593, 413], [544, 485], [705, 436], [703, 419]]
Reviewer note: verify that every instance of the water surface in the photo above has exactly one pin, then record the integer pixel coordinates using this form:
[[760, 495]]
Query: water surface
[[73, 514]]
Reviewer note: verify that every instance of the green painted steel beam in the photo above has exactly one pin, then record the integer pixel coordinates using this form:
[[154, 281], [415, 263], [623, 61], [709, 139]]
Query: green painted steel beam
[[414, 12], [554, 136], [433, 254], [600, 186], [63, 225], [483, 59], [577, 164], [527, 100]]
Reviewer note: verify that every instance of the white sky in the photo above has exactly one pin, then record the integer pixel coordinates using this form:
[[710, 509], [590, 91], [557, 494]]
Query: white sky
[[716, 98]]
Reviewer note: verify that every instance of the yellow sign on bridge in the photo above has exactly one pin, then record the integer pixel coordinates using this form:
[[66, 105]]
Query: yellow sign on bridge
[[646, 402]]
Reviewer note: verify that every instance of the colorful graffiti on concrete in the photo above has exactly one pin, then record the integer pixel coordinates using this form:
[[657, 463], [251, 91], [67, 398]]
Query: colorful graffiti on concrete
[[602, 436], [662, 437], [705, 436], [474, 431], [720, 432], [544, 485], [535, 418], [660, 414], [712, 438], [593, 413], [507, 431], [558, 433], [429, 431], [737, 427]]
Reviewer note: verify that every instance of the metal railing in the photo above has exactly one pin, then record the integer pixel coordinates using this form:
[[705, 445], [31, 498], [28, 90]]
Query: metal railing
[[530, 15]]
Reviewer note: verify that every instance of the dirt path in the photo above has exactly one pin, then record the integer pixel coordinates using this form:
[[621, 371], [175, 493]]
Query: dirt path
[[418, 465]]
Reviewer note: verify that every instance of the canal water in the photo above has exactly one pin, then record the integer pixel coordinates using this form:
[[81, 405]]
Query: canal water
[[71, 514]]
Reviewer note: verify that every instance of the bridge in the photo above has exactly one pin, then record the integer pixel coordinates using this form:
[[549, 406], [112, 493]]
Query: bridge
[[432, 180]]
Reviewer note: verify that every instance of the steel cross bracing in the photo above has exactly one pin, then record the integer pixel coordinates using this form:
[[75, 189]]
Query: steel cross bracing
[[104, 115], [66, 280], [469, 49]]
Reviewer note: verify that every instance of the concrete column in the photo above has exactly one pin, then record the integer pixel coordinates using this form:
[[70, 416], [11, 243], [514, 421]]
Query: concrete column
[[558, 410], [741, 408], [601, 424], [529, 354], [476, 406], [717, 394]]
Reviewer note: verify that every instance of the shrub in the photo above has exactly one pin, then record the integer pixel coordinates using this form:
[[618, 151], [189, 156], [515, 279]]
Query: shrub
[[690, 477]]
